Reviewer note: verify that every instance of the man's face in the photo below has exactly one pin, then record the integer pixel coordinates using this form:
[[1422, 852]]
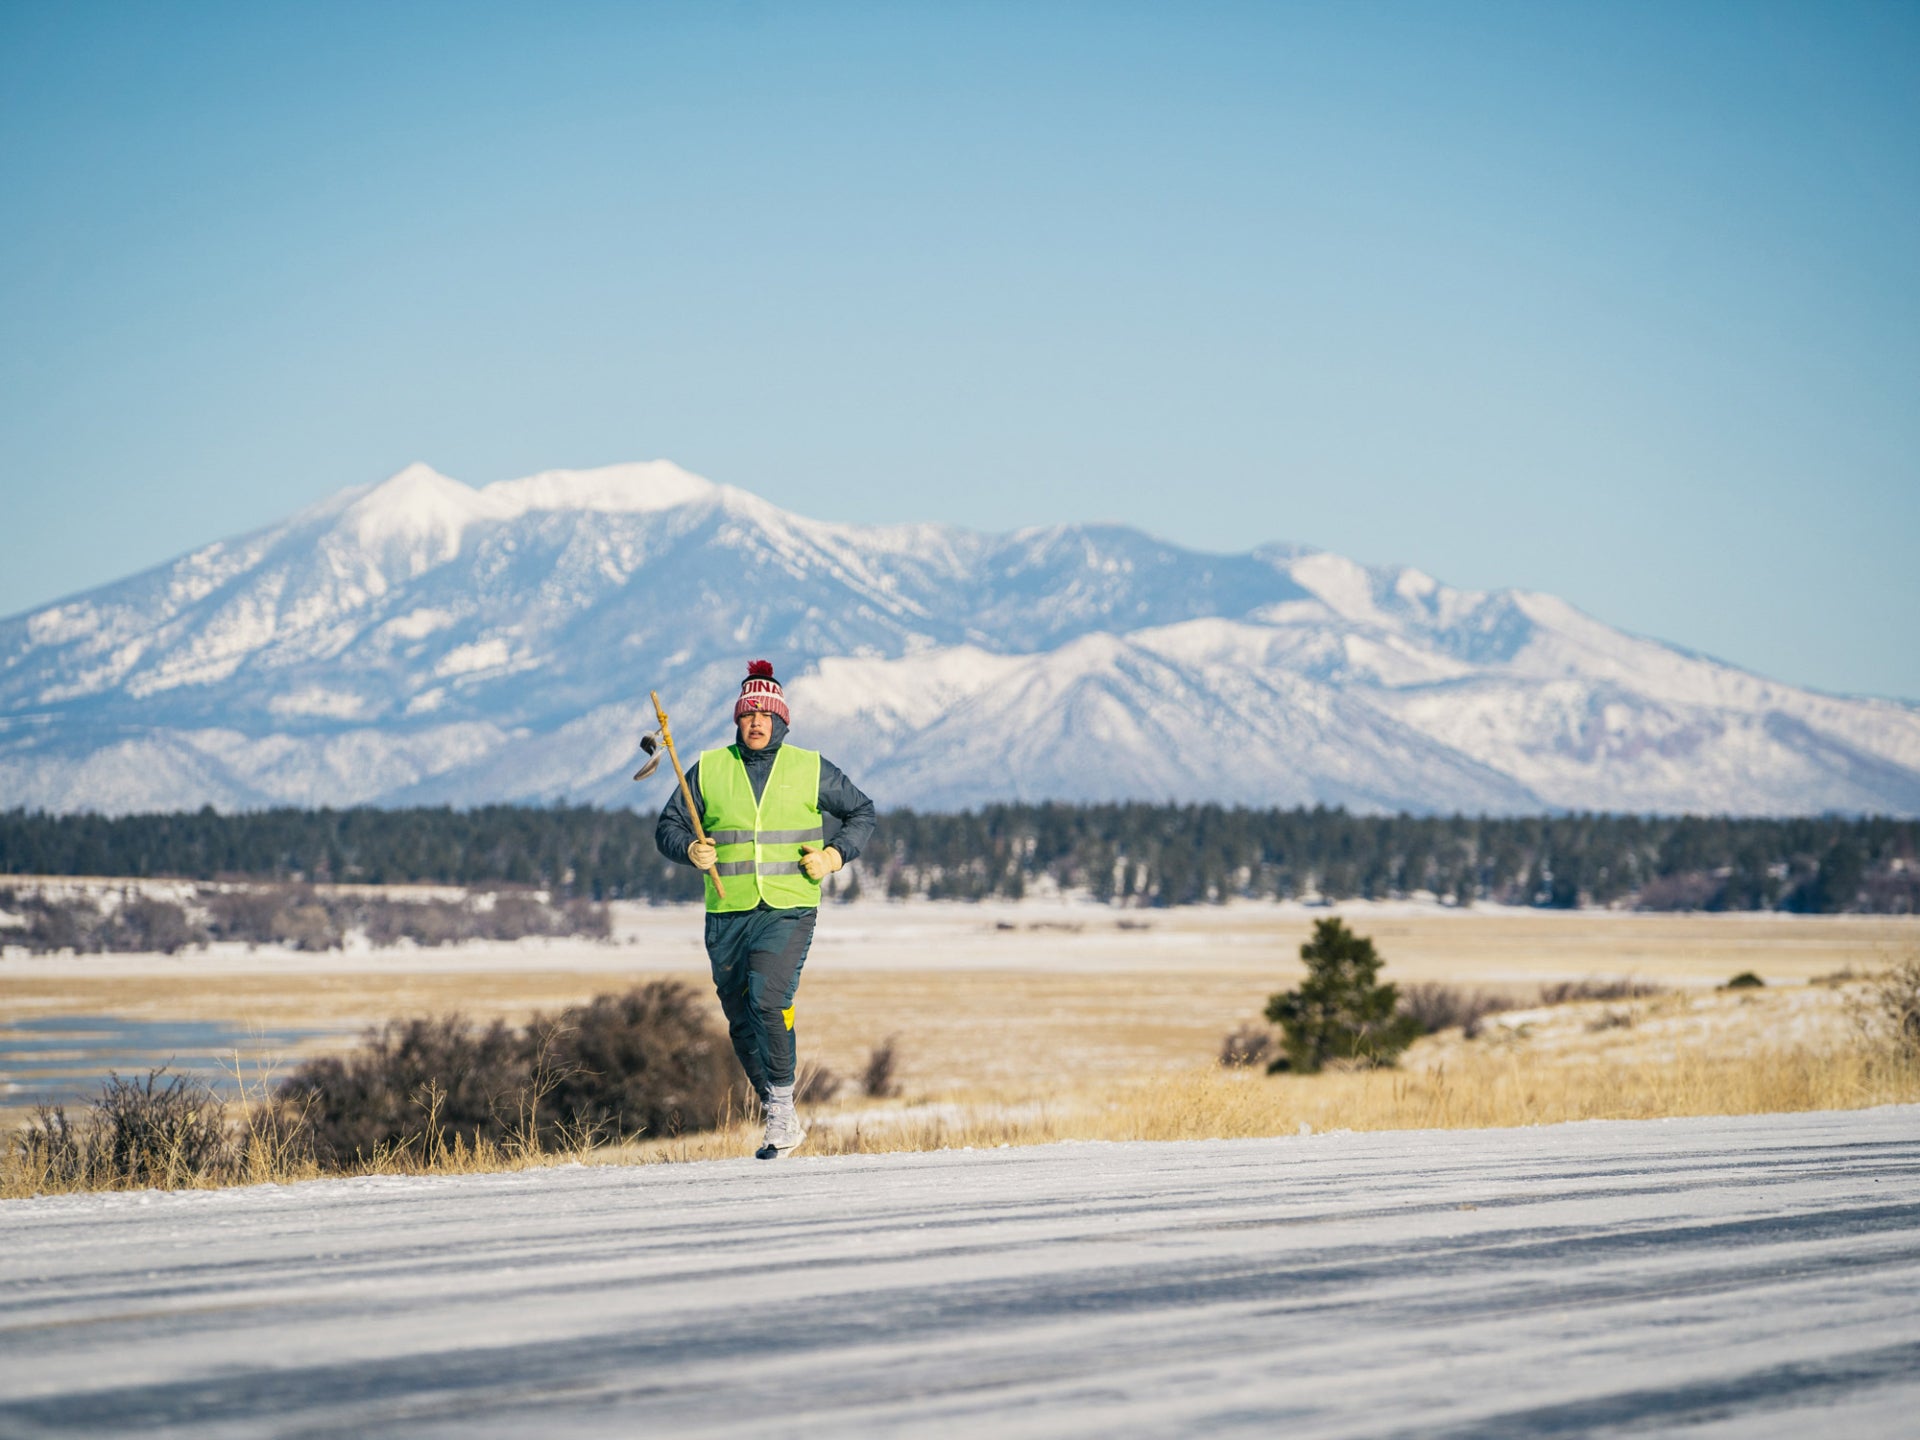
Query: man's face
[[756, 729]]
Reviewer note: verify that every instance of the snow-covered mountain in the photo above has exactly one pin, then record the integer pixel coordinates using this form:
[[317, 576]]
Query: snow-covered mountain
[[420, 641]]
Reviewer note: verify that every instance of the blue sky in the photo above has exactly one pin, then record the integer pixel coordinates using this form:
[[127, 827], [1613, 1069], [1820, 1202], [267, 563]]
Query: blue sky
[[1616, 301]]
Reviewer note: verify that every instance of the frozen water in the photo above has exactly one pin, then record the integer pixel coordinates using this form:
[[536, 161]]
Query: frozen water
[[61, 1060]]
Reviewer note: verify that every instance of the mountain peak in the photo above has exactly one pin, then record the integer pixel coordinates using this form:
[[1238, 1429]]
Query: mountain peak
[[417, 473], [417, 508], [424, 515], [640, 486], [415, 484]]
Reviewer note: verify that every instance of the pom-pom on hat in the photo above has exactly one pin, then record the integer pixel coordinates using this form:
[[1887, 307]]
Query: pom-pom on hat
[[760, 691]]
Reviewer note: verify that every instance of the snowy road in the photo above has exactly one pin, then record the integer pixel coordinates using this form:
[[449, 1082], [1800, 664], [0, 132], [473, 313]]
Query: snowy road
[[1747, 1277]]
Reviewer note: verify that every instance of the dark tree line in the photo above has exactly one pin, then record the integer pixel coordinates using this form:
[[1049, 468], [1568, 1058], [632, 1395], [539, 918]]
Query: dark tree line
[[575, 851], [1181, 855], [1136, 854]]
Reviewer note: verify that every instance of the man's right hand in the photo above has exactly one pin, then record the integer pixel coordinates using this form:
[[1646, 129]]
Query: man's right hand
[[703, 853]]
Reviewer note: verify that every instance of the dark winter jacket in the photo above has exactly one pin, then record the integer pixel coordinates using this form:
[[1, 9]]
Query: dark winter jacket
[[846, 812]]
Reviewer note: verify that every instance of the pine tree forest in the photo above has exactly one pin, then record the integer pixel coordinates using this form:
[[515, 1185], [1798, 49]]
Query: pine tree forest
[[1124, 854]]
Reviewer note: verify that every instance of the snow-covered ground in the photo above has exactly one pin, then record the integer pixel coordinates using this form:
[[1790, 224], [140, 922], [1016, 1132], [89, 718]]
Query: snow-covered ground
[[1750, 1277]]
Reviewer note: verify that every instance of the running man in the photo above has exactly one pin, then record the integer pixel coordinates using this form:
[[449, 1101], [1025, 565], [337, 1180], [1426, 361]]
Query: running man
[[761, 802]]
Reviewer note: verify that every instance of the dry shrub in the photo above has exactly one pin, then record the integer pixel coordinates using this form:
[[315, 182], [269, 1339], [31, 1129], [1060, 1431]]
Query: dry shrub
[[589, 919], [292, 915], [646, 1062], [517, 916], [246, 915], [416, 1086], [165, 1131], [1694, 890], [299, 916], [1889, 1012], [419, 1095], [815, 1084], [513, 917], [881, 1080], [52, 1153], [275, 1143], [425, 922], [63, 925], [140, 923], [149, 925], [1567, 992], [1246, 1045], [311, 927], [1440, 1007], [159, 1134]]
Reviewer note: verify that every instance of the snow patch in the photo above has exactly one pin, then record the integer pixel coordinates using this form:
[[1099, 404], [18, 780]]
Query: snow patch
[[1415, 586], [63, 624], [1345, 585], [894, 696]]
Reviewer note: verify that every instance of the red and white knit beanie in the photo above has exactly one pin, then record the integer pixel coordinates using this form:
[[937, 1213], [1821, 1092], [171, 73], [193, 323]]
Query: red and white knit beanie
[[760, 691]]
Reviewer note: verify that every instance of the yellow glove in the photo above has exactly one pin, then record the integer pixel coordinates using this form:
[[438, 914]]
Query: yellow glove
[[703, 853], [819, 863]]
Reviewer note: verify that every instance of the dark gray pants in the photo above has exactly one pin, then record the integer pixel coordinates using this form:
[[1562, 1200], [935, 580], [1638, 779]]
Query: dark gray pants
[[756, 957]]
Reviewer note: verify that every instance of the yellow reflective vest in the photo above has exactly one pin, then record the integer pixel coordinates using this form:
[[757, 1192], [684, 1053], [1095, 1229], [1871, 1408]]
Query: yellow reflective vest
[[759, 842]]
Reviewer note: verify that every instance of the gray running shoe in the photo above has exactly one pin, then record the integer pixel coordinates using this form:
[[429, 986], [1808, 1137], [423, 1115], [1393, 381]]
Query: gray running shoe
[[784, 1131]]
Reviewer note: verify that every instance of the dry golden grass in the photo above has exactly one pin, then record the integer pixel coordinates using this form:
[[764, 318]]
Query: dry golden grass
[[1485, 1089], [264, 1156], [23, 1175], [1088, 1026], [1492, 1091], [1494, 1087]]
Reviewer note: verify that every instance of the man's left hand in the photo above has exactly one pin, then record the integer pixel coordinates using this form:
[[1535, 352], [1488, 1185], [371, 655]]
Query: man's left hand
[[819, 863]]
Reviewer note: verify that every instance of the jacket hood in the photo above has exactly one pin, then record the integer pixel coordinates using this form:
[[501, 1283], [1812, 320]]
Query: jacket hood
[[756, 758]]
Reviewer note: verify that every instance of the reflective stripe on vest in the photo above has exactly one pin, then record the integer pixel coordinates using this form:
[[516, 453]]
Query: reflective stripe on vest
[[759, 842]]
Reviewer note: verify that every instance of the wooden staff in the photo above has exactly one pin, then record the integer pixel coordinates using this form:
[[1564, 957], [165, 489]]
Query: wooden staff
[[693, 811]]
